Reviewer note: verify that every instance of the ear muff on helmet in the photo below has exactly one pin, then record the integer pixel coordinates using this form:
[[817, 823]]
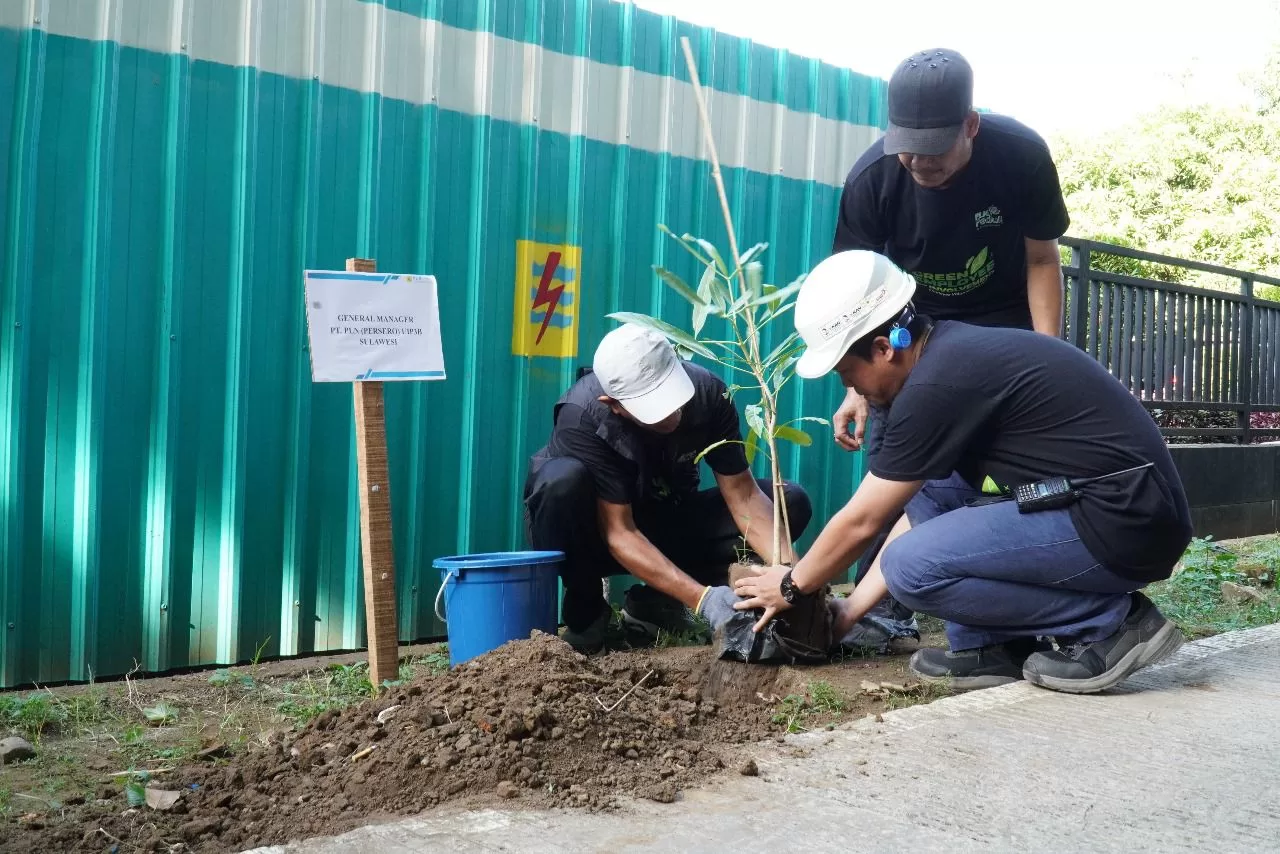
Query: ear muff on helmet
[[900, 335]]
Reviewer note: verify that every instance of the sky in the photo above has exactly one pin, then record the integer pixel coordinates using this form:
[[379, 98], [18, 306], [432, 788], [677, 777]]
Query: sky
[[1095, 66]]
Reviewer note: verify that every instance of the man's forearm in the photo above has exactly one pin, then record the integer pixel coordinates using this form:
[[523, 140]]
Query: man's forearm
[[646, 562], [1044, 295]]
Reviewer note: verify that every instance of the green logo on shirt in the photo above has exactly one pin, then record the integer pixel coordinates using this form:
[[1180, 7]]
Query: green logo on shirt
[[978, 270]]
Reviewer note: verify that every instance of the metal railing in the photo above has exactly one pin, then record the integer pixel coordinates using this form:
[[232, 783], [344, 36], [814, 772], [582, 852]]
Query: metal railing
[[1178, 346]]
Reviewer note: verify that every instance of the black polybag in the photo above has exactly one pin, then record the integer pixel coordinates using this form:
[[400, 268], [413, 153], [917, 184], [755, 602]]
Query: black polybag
[[773, 645], [769, 646]]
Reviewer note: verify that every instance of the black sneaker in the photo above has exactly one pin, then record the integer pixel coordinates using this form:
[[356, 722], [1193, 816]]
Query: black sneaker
[[594, 636], [971, 669], [647, 612], [1145, 637]]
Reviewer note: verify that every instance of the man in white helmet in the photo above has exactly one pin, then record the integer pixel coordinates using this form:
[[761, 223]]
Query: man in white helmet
[[967, 403], [617, 490]]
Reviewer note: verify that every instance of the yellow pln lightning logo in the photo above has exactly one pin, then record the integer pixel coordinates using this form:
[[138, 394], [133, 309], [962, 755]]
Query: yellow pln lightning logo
[[546, 300]]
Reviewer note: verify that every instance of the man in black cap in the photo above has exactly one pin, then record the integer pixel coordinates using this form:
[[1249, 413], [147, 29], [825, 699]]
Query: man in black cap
[[969, 205]]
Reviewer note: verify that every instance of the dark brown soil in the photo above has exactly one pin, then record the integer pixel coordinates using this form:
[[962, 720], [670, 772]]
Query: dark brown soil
[[531, 724]]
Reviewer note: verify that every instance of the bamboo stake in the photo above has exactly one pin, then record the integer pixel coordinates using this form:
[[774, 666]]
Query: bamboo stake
[[753, 335]]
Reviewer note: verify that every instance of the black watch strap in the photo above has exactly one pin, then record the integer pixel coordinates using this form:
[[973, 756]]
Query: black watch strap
[[788, 588]]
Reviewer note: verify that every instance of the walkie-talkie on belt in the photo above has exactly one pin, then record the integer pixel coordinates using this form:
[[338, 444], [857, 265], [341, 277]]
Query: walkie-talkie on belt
[[1053, 493]]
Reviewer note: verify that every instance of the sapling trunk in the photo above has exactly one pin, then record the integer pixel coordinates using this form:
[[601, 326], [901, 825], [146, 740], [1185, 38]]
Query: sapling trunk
[[808, 622], [735, 291]]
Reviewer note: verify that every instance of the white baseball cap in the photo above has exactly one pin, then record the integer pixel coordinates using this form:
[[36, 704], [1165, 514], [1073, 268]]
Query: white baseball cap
[[842, 299], [639, 368]]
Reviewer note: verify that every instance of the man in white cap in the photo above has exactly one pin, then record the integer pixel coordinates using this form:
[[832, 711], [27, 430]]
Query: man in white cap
[[1094, 508], [969, 204], [617, 490]]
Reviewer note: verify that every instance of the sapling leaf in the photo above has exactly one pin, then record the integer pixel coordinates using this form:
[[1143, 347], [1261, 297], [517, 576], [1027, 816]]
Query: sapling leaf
[[789, 341], [705, 288], [779, 296], [752, 446], [755, 418], [748, 256], [780, 374], [754, 273], [778, 312], [812, 418], [678, 285], [676, 335], [709, 448], [711, 250], [687, 244], [793, 435], [712, 289]]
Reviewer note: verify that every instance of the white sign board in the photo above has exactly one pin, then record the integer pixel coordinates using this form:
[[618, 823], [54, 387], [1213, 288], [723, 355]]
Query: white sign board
[[373, 326]]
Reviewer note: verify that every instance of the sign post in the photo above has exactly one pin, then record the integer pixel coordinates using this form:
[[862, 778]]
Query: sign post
[[364, 328]]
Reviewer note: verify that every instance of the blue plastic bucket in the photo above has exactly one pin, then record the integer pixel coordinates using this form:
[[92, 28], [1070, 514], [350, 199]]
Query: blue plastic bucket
[[490, 599]]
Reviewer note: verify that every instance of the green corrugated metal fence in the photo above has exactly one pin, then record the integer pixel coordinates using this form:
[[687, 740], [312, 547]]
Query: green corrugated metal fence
[[173, 489]]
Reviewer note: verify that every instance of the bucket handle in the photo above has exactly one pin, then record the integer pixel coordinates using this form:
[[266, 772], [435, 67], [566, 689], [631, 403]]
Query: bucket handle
[[452, 573]]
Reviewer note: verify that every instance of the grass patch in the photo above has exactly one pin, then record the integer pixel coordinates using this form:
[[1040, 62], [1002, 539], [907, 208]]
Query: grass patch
[[44, 712], [698, 635], [139, 727], [795, 711], [435, 663], [31, 715], [336, 687], [825, 699], [341, 685], [1193, 599]]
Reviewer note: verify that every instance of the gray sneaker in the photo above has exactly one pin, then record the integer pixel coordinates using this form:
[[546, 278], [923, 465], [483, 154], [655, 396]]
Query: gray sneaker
[[646, 612], [1145, 637]]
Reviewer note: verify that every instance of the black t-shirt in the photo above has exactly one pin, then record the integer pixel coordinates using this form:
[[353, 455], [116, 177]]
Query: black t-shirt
[[631, 465], [1017, 407], [964, 243]]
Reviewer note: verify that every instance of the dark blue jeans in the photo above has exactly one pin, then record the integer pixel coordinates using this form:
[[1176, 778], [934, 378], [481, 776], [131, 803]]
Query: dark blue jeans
[[995, 574]]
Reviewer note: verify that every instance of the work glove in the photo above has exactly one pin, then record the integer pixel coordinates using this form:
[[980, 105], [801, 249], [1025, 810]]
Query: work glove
[[716, 606]]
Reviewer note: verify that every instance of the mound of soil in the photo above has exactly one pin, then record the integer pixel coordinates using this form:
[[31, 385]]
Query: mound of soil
[[530, 723]]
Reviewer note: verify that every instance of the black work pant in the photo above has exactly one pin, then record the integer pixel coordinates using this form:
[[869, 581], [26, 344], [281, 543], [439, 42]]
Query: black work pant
[[699, 535]]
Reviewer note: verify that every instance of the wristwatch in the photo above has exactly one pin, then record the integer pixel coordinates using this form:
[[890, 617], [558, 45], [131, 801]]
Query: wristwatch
[[788, 588]]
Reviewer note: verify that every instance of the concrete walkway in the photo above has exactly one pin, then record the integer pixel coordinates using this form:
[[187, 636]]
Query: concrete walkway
[[1183, 757]]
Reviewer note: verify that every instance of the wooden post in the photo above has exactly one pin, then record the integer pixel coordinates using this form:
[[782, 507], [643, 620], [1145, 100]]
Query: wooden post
[[377, 547]]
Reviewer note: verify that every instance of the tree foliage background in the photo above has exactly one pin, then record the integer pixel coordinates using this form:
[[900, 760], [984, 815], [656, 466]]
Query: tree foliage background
[[1192, 182]]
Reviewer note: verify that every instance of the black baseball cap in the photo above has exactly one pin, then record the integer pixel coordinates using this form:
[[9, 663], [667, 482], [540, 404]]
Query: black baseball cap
[[930, 95]]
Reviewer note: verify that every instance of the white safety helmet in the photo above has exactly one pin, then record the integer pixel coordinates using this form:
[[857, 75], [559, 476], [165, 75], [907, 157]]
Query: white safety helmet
[[842, 299]]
